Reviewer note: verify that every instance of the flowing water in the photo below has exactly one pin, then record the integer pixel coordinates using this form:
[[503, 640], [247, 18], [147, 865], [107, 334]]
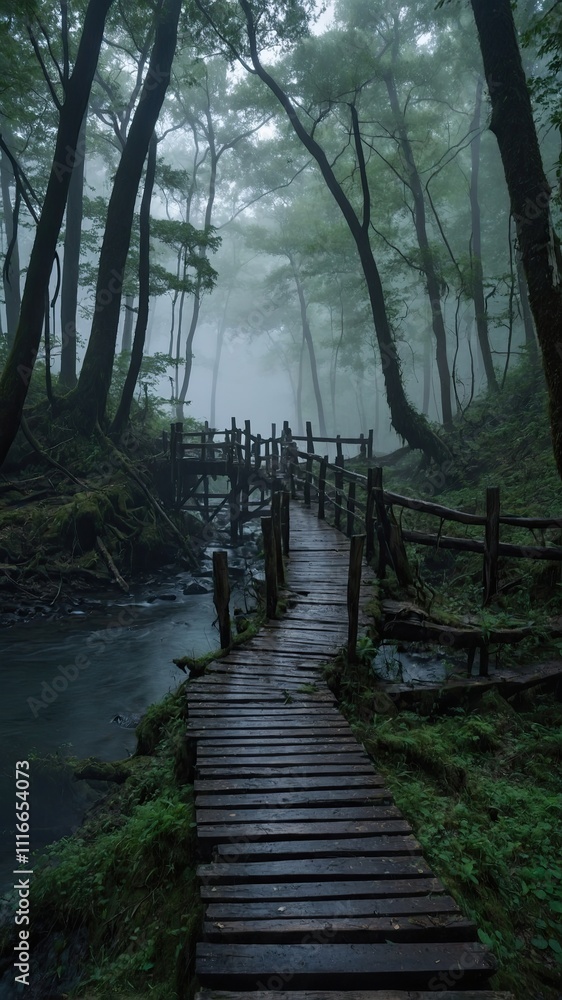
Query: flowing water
[[65, 678]]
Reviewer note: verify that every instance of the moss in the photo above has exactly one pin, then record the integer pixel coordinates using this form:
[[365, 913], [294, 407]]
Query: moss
[[116, 906]]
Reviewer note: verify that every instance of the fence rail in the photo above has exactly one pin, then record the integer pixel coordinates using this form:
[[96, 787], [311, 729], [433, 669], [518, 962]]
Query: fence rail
[[375, 512]]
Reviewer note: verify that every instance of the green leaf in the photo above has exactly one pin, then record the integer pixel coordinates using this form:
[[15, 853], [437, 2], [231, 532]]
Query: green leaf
[[555, 945], [540, 943]]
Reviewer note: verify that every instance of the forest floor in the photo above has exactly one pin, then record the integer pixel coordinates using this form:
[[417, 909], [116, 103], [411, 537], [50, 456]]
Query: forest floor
[[481, 782], [79, 515]]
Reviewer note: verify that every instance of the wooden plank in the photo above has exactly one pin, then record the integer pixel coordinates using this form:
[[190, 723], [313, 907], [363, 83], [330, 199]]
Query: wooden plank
[[316, 796], [285, 730], [262, 830], [313, 869], [281, 892], [208, 711], [343, 746], [353, 847], [287, 783], [267, 697], [300, 725], [287, 760], [305, 814], [278, 771], [365, 906], [438, 927], [276, 742], [341, 966], [210, 994]]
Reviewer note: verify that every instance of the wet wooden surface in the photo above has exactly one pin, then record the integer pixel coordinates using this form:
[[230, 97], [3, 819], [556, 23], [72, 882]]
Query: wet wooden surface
[[312, 879]]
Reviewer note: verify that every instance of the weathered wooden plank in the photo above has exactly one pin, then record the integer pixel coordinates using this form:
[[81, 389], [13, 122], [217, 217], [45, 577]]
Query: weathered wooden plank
[[366, 906], [313, 869], [279, 748], [210, 994], [235, 761], [210, 771], [315, 796], [263, 830], [283, 729], [365, 847], [341, 966], [234, 697], [318, 814], [275, 743], [438, 927], [287, 782], [209, 712], [282, 892]]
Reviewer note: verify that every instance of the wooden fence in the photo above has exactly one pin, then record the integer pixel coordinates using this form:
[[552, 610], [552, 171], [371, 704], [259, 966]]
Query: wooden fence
[[385, 538]]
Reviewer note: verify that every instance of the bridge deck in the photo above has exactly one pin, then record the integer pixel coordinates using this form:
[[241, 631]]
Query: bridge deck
[[312, 879]]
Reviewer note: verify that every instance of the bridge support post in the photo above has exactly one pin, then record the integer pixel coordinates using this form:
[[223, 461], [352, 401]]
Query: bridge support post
[[271, 591], [491, 544], [350, 509], [353, 594], [221, 596], [285, 521], [322, 488], [370, 518], [276, 516]]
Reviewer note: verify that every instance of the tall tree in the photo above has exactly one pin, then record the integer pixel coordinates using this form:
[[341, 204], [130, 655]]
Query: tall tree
[[90, 398], [409, 424], [530, 193], [16, 376], [71, 265], [11, 270]]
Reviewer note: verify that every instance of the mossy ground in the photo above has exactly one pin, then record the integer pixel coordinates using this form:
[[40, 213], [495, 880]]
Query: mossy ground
[[482, 788], [116, 909]]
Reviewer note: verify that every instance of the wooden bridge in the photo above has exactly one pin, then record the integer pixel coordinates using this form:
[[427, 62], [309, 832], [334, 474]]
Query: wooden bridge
[[314, 885]]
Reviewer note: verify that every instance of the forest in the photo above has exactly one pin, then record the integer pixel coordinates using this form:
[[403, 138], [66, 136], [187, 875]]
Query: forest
[[336, 217]]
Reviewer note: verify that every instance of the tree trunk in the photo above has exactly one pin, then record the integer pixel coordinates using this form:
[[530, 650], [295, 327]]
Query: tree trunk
[[411, 426], [513, 125], [12, 295], [216, 363], [71, 265], [307, 339], [17, 372], [480, 313], [95, 377], [298, 393], [127, 338], [427, 259], [197, 294], [123, 410], [526, 315], [426, 376]]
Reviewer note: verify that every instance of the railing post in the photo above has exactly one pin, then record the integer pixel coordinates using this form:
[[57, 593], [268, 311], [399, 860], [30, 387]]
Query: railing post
[[350, 509], [276, 520], [370, 517], [362, 446], [267, 445], [353, 594], [234, 504], [307, 479], [270, 567], [338, 483], [274, 450], [322, 488], [491, 544], [258, 451], [247, 443], [309, 438], [370, 445], [221, 596], [381, 522], [286, 521]]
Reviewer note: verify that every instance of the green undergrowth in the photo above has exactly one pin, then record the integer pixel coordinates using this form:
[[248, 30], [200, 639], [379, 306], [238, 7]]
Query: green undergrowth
[[118, 900], [501, 440], [482, 788]]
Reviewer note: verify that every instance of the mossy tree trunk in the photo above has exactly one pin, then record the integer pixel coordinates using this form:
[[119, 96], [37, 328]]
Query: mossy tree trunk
[[513, 125], [478, 295], [11, 275], [16, 376], [90, 397]]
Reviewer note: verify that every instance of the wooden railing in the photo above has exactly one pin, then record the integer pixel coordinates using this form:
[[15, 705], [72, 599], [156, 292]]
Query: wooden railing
[[385, 538]]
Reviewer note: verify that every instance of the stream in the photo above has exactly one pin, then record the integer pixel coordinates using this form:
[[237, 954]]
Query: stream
[[66, 677]]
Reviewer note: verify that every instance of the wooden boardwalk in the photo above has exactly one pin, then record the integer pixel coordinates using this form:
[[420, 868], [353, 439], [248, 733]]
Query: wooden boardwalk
[[311, 878]]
